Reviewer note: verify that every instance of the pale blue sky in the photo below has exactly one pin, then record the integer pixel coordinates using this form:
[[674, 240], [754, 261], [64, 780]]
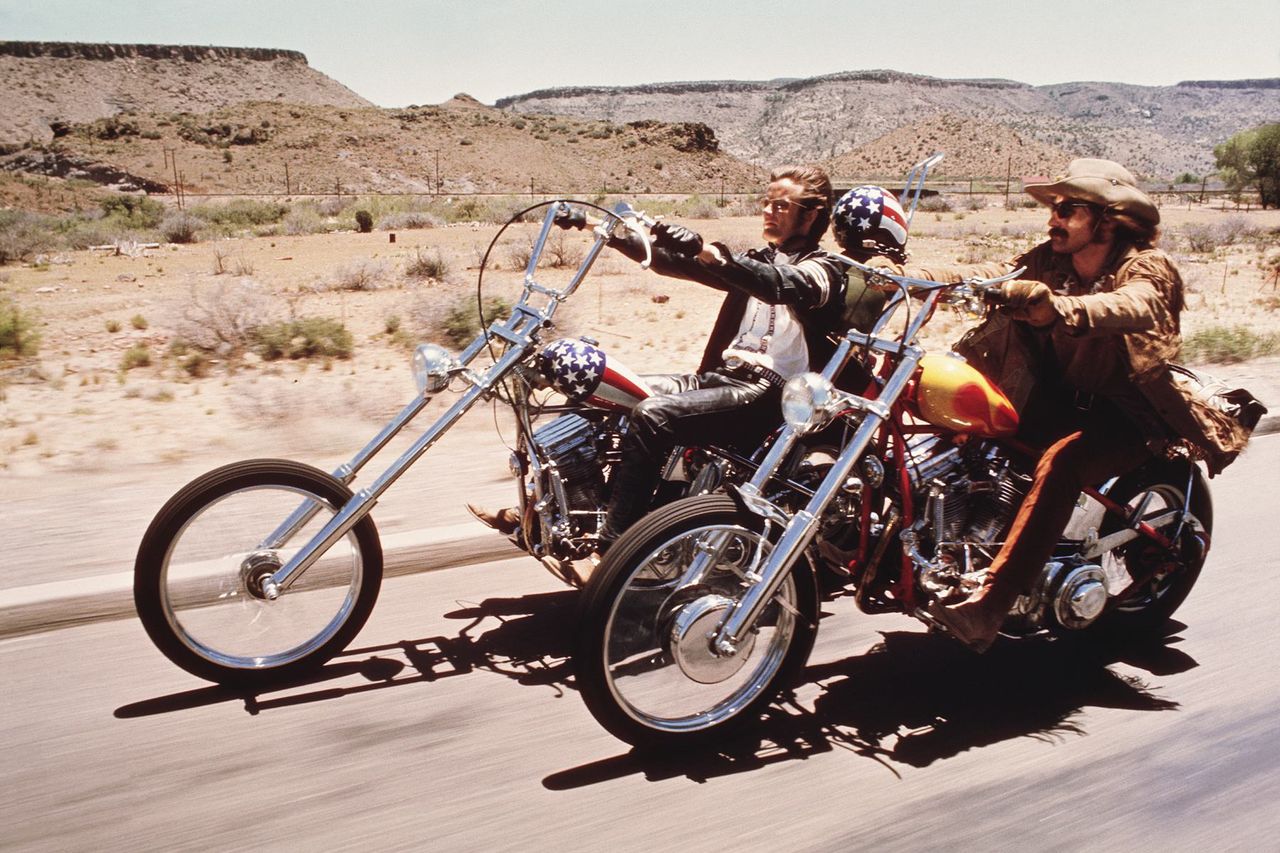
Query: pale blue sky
[[397, 52]]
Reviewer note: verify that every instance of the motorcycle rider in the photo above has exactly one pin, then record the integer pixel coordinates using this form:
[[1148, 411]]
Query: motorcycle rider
[[781, 300], [1083, 351]]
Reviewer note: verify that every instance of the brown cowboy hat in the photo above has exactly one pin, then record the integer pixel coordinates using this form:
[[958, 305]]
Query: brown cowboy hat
[[1101, 182]]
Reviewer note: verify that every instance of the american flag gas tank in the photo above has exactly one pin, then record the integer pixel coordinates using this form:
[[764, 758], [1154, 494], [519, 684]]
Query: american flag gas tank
[[583, 373]]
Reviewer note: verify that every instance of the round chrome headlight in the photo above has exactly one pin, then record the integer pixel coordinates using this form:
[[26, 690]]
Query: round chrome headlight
[[806, 402], [432, 365]]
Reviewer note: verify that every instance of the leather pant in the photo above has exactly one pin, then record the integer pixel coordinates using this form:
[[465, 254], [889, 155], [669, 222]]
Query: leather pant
[[1091, 446], [687, 409]]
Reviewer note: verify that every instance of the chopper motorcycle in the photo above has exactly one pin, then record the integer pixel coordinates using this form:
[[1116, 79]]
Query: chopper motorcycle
[[262, 570], [704, 610]]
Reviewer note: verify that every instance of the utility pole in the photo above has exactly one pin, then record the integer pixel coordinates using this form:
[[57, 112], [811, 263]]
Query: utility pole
[[1008, 178], [171, 160], [287, 189]]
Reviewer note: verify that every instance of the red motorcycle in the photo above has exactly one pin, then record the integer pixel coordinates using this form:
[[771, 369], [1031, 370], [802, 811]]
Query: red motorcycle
[[701, 612]]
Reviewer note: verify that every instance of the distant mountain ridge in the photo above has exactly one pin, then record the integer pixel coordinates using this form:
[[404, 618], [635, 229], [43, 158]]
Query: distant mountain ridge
[[107, 51], [51, 83], [1158, 131]]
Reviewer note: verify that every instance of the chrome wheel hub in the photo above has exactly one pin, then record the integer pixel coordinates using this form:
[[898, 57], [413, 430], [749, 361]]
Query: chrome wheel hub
[[692, 641]]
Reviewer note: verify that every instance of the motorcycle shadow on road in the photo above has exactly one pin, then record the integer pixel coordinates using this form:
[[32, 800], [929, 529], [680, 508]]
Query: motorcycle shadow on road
[[915, 698], [526, 638]]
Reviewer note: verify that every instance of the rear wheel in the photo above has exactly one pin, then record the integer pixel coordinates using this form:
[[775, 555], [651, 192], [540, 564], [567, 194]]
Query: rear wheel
[[198, 578], [1159, 489], [644, 658]]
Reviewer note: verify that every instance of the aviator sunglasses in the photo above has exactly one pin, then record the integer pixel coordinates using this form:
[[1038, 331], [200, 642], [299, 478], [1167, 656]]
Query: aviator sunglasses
[[781, 205], [1066, 209]]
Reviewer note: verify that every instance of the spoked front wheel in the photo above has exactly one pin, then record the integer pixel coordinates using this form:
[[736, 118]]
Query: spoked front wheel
[[646, 662], [199, 577]]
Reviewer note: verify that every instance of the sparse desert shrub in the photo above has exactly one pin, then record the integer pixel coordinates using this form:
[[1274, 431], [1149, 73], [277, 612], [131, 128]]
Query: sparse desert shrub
[[135, 356], [19, 337], [195, 364], [519, 254], [1236, 229], [472, 209], [364, 221], [408, 220], [22, 236], [1200, 236], [78, 233], [1227, 344], [304, 337], [1021, 232], [699, 207], [428, 265], [333, 207], [303, 220], [462, 322], [242, 213], [220, 318], [562, 250], [936, 204], [133, 211], [113, 326], [220, 255], [181, 227], [363, 274], [138, 322]]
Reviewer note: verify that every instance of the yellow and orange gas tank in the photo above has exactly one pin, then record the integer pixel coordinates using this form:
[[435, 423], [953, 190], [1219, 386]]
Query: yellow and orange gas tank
[[948, 393]]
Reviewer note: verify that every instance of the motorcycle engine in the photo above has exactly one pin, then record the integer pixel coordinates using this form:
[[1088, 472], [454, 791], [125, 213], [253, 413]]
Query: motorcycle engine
[[575, 451], [970, 493]]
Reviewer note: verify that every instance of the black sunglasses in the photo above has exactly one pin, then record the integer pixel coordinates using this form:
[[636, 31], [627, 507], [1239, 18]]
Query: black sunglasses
[[1067, 209]]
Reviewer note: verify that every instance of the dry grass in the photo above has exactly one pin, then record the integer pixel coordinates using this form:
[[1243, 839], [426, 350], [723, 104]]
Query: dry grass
[[216, 392]]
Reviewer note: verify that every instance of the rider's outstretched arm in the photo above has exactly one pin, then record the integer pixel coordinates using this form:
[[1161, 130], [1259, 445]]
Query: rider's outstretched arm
[[811, 282]]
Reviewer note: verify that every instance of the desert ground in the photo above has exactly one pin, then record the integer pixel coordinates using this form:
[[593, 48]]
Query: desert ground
[[76, 423]]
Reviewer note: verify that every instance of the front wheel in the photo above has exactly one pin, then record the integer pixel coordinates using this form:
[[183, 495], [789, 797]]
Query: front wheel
[[643, 654], [199, 571]]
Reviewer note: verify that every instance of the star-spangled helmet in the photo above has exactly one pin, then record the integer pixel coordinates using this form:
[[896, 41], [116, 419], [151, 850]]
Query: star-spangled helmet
[[869, 219], [580, 371]]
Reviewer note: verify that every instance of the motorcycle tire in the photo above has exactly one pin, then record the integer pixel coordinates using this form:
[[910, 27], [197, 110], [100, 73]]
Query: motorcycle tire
[[195, 573], [643, 663], [1148, 609]]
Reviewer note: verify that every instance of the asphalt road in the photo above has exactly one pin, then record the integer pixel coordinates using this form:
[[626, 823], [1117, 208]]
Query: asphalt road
[[452, 724]]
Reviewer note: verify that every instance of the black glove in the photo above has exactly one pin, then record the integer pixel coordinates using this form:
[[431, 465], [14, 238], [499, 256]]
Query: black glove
[[677, 240], [573, 217]]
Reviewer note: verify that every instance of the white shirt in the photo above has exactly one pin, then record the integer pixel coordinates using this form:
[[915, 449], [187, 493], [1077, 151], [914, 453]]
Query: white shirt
[[772, 337]]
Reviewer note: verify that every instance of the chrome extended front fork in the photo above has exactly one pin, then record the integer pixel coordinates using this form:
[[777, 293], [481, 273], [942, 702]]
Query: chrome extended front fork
[[802, 526], [517, 333]]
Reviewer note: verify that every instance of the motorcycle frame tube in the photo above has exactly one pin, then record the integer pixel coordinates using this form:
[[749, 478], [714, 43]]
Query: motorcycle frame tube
[[800, 530], [346, 473], [520, 330], [751, 492]]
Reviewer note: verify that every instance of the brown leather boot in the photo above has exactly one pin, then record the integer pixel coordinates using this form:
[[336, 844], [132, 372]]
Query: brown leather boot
[[975, 621], [506, 520]]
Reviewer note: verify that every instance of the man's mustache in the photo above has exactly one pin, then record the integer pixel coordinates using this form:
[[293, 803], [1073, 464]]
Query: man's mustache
[[1057, 232]]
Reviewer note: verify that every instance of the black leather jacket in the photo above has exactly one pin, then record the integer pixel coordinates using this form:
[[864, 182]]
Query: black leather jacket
[[799, 275]]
